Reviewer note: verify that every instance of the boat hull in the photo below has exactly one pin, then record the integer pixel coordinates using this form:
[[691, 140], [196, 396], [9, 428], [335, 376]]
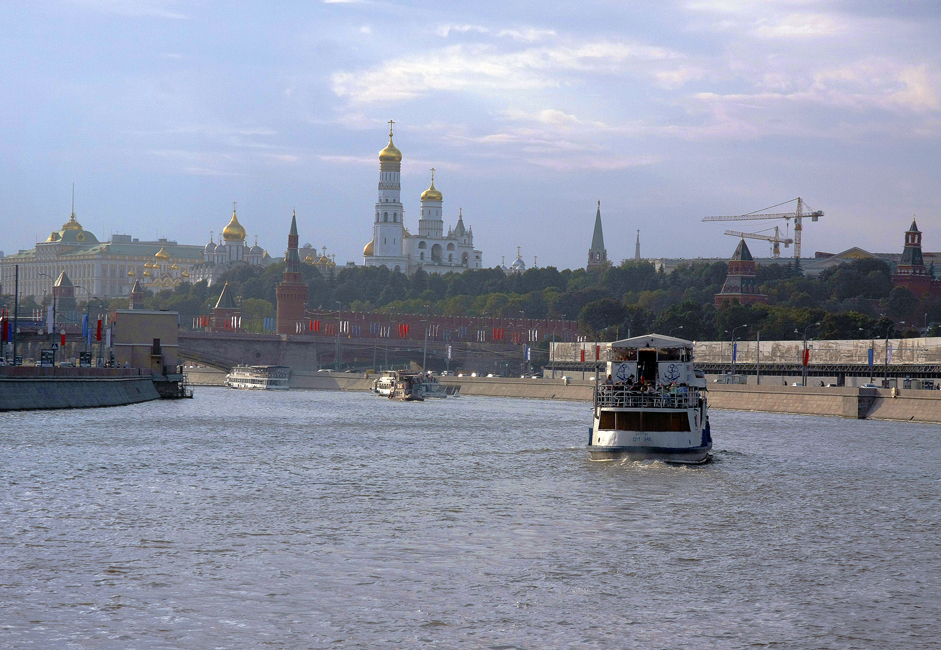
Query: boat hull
[[686, 456]]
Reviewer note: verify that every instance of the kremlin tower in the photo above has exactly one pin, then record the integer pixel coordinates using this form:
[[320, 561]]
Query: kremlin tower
[[292, 290]]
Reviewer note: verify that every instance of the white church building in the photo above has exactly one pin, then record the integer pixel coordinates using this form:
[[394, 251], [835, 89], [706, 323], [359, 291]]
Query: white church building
[[394, 247]]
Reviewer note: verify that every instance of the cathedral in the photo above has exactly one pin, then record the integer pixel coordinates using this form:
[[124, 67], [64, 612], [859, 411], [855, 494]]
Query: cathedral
[[394, 247], [231, 251]]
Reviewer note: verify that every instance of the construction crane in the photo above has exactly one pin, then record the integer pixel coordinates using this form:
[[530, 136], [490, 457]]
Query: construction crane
[[776, 239], [803, 210]]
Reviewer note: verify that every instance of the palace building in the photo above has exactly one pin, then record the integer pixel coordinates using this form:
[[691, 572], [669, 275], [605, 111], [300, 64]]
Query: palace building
[[98, 269], [430, 249]]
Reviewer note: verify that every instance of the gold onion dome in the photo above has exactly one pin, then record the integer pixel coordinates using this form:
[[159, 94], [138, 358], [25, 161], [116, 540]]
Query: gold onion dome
[[148, 265], [131, 273], [185, 274], [234, 231], [175, 267], [162, 254], [146, 274], [432, 193], [370, 248], [309, 259], [390, 153], [72, 224]]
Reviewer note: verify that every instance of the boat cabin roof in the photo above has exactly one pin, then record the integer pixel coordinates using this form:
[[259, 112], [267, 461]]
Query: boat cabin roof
[[650, 341]]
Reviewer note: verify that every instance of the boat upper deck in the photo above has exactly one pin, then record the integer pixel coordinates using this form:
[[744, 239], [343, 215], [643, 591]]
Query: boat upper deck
[[682, 397]]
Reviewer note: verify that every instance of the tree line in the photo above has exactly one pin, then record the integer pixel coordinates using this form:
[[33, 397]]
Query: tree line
[[854, 300]]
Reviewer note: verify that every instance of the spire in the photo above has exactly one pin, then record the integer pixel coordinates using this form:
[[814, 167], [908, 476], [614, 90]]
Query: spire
[[293, 223], [637, 247], [597, 255], [292, 262], [597, 237]]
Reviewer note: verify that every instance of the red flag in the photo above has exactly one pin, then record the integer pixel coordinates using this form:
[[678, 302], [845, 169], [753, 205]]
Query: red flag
[[583, 356], [98, 335], [63, 339], [807, 356], [597, 352]]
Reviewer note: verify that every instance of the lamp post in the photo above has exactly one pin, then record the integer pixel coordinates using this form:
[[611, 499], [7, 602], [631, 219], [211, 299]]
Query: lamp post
[[85, 333], [336, 351], [885, 382], [424, 354], [51, 327], [734, 351], [675, 329]]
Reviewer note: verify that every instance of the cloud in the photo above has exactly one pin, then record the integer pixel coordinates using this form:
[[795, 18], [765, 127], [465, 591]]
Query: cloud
[[484, 69], [525, 35], [133, 8]]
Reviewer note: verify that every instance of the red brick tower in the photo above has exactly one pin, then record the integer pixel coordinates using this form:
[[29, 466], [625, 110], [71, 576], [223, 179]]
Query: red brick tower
[[291, 291]]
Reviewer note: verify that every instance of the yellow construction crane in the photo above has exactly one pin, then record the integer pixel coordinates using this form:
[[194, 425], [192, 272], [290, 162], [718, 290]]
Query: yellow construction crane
[[803, 210], [776, 239]]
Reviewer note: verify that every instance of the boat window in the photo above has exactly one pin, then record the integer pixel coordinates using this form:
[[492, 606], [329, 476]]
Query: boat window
[[643, 421], [624, 354], [671, 354]]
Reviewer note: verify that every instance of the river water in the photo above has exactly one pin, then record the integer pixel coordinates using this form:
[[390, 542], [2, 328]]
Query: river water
[[308, 519]]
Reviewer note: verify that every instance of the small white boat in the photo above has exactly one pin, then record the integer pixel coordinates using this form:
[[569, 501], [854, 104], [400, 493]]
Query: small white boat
[[259, 377], [653, 406], [385, 382]]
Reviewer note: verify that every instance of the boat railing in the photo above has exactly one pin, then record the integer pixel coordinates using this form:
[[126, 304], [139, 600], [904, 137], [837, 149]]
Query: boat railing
[[623, 397]]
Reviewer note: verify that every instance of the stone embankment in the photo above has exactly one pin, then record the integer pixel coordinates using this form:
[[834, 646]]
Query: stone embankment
[[849, 402], [29, 388]]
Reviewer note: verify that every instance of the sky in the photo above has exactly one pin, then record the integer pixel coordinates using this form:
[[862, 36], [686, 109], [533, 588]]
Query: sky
[[165, 112]]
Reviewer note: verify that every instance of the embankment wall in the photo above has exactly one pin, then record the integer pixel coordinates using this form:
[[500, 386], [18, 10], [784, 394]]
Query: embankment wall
[[24, 388], [849, 402]]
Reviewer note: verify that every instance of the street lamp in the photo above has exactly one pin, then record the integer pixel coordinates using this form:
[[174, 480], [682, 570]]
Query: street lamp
[[735, 329], [424, 354], [885, 383], [51, 327], [675, 329]]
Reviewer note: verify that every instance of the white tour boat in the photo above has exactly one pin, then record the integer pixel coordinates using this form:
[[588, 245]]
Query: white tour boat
[[653, 404], [259, 377]]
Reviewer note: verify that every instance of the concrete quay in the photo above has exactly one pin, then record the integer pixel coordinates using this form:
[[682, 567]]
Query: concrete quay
[[28, 388]]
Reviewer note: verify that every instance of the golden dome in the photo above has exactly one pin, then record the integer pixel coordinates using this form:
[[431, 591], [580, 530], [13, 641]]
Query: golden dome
[[432, 194], [234, 231], [175, 267], [162, 254], [390, 153], [370, 248], [146, 274], [185, 274], [131, 273], [148, 265], [54, 236], [309, 259], [72, 224]]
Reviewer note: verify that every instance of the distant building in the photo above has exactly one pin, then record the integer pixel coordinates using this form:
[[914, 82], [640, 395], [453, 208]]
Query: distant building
[[911, 271], [397, 249], [226, 315], [98, 269], [597, 254], [231, 251], [741, 284], [291, 291]]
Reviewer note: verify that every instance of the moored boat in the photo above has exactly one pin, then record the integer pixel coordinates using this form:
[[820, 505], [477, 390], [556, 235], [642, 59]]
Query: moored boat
[[407, 388], [259, 377], [652, 405]]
